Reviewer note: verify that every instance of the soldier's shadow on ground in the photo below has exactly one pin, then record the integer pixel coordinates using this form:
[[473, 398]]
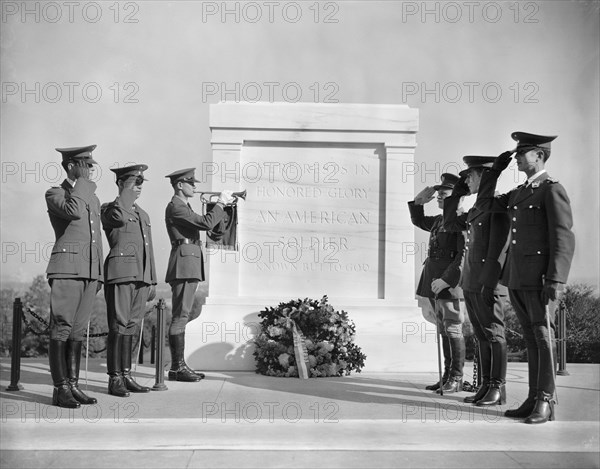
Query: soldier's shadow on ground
[[33, 374], [353, 389], [407, 400]]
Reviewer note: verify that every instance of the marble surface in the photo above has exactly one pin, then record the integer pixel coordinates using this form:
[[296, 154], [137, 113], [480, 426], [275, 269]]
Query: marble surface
[[325, 214]]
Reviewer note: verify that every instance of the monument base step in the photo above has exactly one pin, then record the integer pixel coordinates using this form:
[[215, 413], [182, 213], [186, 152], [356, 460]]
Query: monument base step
[[394, 338]]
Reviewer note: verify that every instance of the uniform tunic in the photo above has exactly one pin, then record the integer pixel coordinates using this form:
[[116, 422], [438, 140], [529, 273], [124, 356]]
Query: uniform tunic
[[485, 253], [186, 261], [541, 249], [129, 267], [75, 265]]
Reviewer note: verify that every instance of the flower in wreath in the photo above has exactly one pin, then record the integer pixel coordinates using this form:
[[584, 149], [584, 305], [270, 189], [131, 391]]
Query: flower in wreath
[[327, 336], [275, 331], [325, 347]]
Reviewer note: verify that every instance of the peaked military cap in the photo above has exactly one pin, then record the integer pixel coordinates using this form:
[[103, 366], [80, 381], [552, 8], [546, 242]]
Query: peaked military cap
[[185, 175], [136, 170], [448, 181], [78, 153], [476, 161], [526, 142]]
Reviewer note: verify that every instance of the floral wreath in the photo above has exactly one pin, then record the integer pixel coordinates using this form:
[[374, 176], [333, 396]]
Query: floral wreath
[[328, 339]]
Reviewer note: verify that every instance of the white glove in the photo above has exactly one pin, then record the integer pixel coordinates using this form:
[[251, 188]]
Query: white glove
[[226, 198]]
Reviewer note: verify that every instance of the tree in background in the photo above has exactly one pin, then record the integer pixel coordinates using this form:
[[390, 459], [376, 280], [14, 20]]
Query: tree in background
[[582, 307], [7, 296], [34, 342]]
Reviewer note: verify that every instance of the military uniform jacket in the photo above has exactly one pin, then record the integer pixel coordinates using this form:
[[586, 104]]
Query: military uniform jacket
[[75, 217], [131, 256], [186, 260], [541, 241], [444, 256], [485, 246]]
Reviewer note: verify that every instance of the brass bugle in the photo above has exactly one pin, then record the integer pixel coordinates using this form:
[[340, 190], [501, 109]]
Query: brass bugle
[[207, 196]]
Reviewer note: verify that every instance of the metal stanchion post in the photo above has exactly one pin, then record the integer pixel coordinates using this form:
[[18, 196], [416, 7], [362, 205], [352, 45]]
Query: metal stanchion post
[[141, 348], [160, 321], [15, 363], [562, 342], [152, 345]]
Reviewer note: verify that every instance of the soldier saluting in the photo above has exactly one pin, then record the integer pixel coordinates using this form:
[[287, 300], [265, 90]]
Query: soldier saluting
[[130, 276], [186, 263], [485, 252], [539, 258], [440, 276], [74, 271]]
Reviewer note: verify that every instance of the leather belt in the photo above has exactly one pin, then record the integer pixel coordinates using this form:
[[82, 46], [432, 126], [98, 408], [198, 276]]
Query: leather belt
[[441, 254], [179, 242]]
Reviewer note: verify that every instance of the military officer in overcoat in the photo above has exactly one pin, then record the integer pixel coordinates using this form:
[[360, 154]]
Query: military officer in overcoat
[[538, 262], [186, 262], [439, 279], [74, 271], [485, 253], [130, 276]]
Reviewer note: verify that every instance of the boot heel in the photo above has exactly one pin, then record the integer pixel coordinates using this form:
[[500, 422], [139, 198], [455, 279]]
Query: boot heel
[[116, 386], [452, 385], [543, 410]]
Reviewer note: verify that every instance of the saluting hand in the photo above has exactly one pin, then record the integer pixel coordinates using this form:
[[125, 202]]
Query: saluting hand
[[503, 160], [425, 196], [80, 171], [461, 187]]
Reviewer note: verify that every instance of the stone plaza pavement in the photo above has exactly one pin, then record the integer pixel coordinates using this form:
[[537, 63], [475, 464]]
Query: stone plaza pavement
[[241, 419]]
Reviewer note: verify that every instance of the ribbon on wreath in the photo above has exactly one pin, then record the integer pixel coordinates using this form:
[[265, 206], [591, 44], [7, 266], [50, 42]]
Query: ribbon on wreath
[[300, 352]]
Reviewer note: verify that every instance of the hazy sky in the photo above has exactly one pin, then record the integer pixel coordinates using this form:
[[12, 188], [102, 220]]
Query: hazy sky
[[137, 78]]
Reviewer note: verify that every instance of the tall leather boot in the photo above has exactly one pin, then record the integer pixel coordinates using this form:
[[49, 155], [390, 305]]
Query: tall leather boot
[[485, 365], [73, 362], [447, 361], [543, 410], [179, 370], [497, 391], [130, 383], [525, 409], [454, 382], [116, 383], [61, 395], [546, 361]]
